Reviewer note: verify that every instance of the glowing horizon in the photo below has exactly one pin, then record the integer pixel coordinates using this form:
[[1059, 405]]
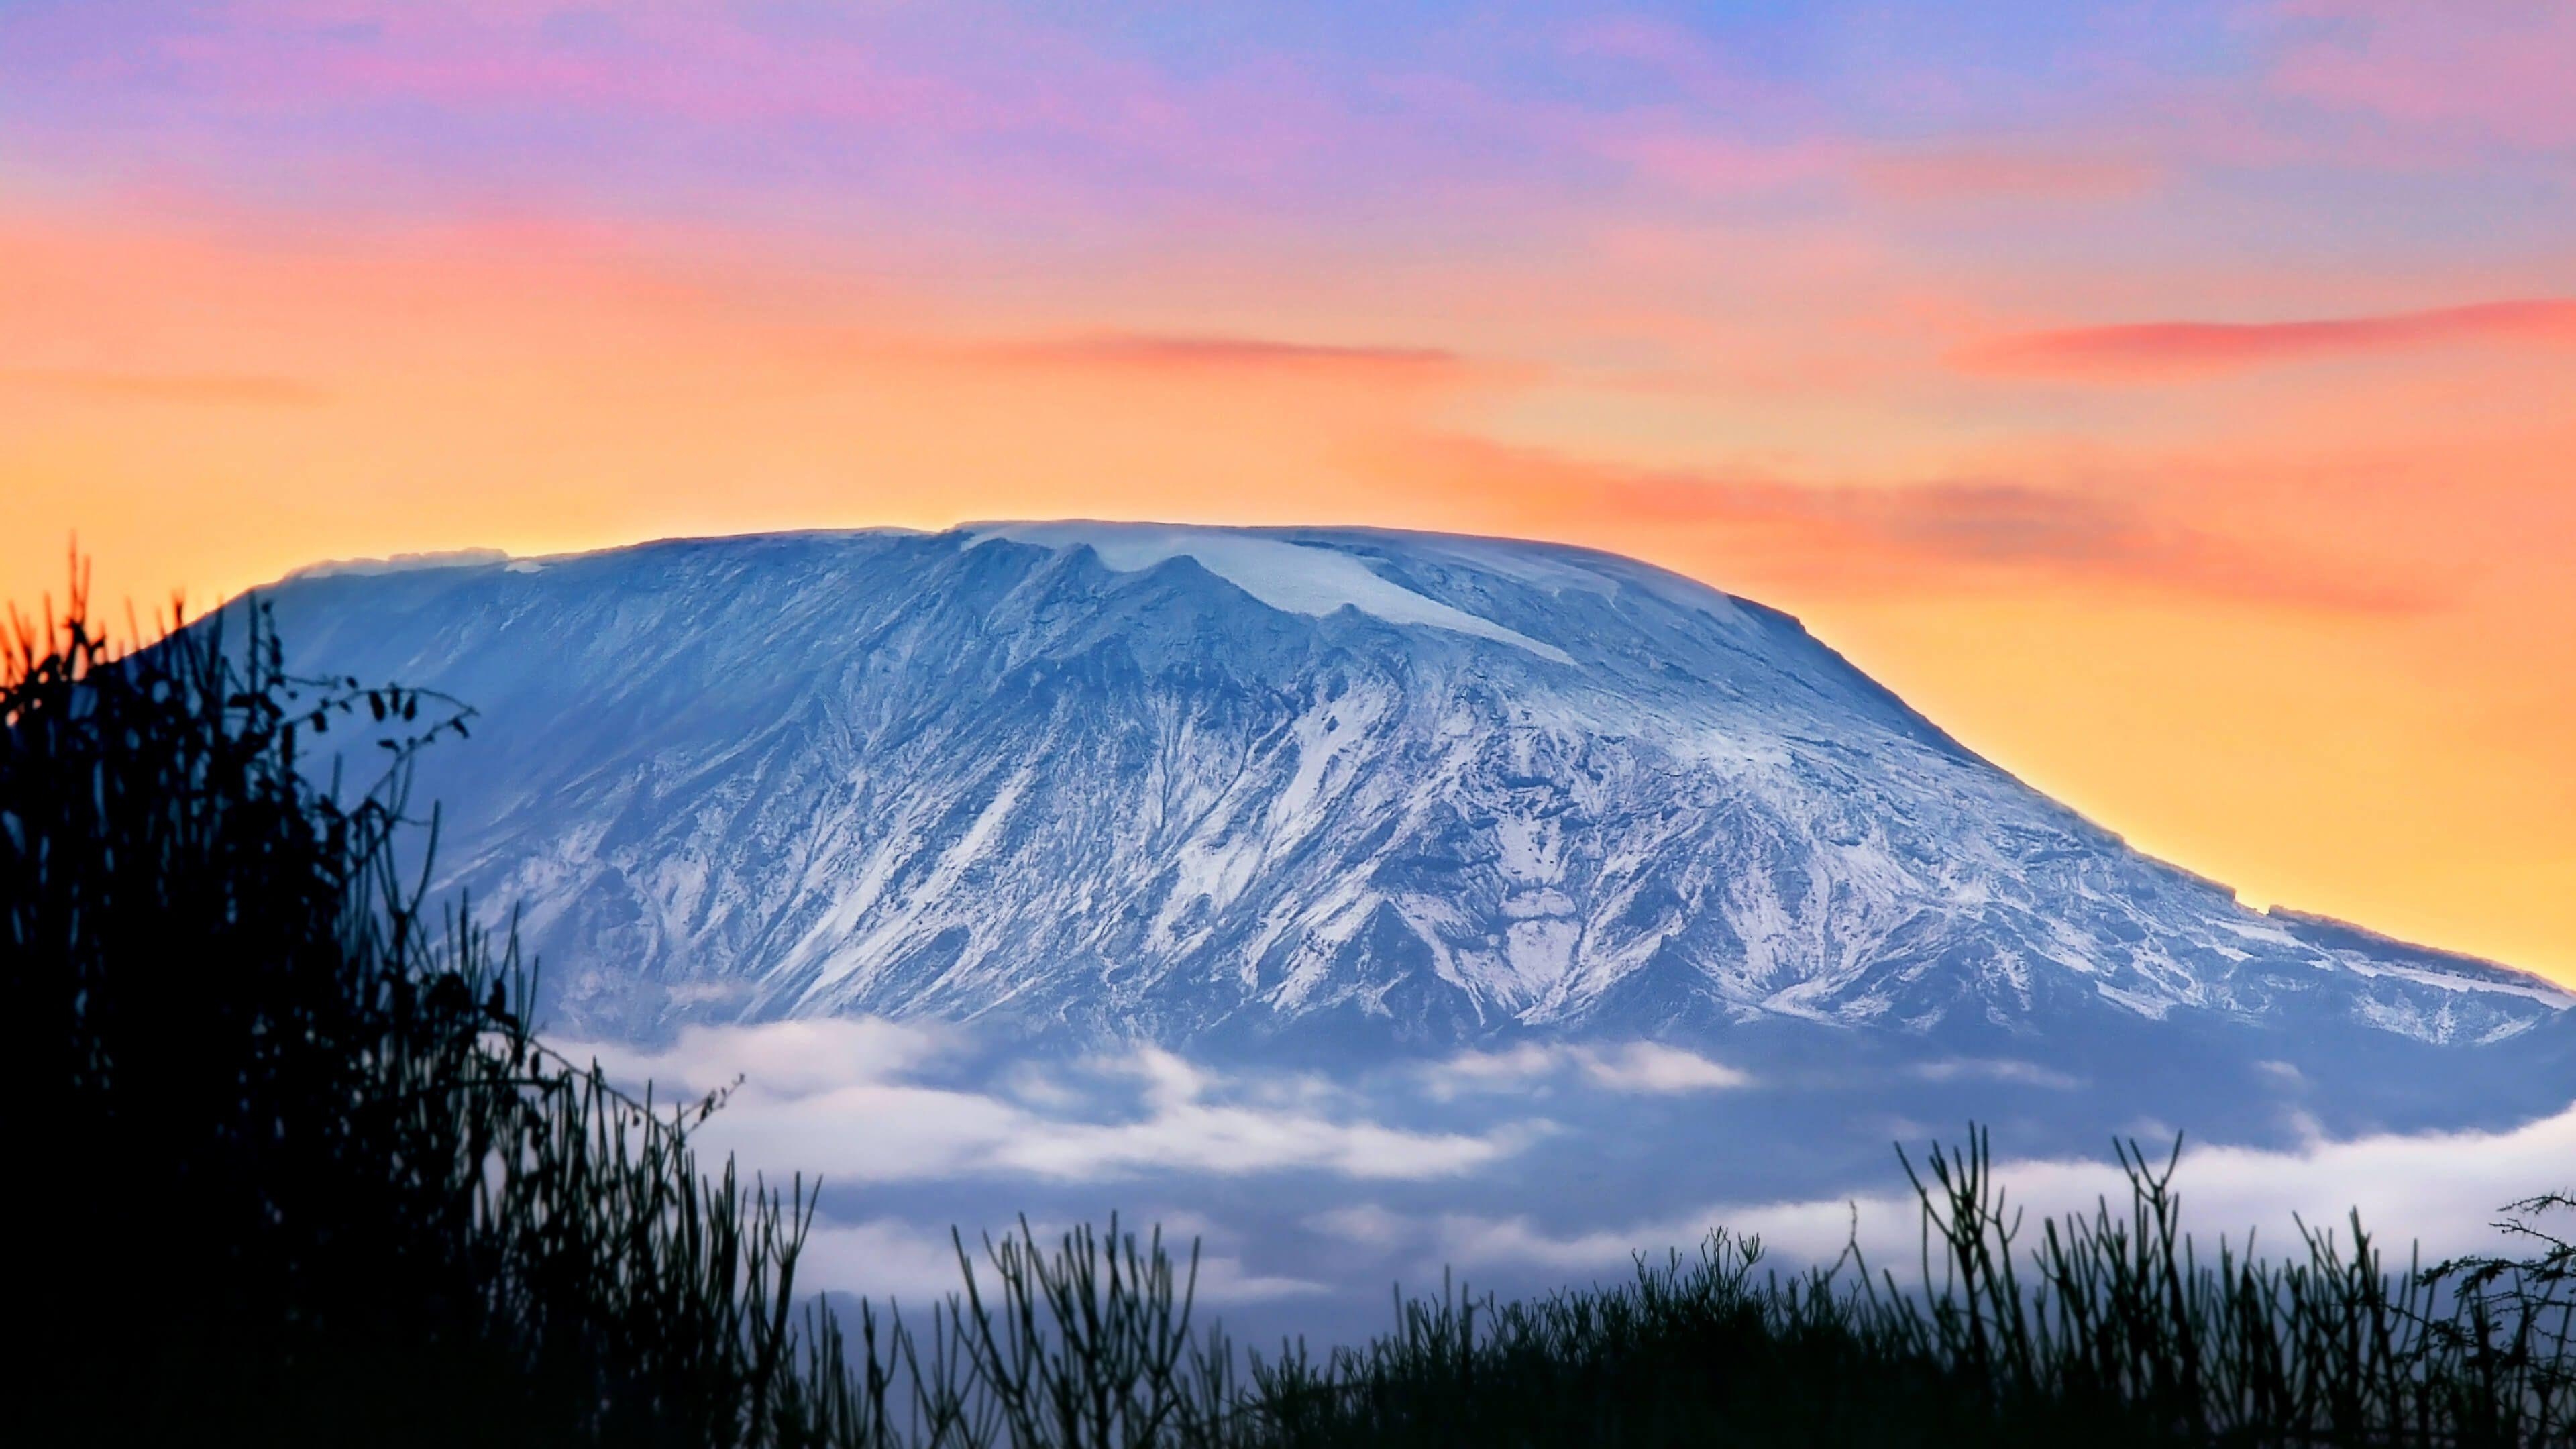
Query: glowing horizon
[[2172, 404]]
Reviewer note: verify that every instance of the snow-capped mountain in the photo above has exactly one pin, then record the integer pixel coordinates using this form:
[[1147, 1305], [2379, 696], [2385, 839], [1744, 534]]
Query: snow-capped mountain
[[1197, 784]]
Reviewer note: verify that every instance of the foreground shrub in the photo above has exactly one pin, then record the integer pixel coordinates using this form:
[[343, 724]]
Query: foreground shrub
[[307, 1175]]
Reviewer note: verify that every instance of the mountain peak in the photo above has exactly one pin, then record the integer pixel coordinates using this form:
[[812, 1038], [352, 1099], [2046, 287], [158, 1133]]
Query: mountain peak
[[1174, 781]]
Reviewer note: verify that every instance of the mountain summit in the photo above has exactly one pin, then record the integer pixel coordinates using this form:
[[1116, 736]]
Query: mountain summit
[[1190, 783]]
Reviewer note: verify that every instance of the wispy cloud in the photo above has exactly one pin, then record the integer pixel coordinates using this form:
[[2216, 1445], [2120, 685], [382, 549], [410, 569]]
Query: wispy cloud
[[1652, 1067], [2494, 72], [1637, 1067], [788, 1058], [222, 389], [1689, 65], [1186, 352], [1943, 531], [864, 1100], [1716, 164], [1997, 1069], [2161, 350], [1990, 173]]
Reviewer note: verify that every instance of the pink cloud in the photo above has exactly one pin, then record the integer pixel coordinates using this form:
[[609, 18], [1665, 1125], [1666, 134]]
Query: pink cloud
[[692, 61], [2490, 69], [1712, 163], [2152, 350], [1690, 64], [862, 85], [1987, 173], [1932, 534], [1216, 352]]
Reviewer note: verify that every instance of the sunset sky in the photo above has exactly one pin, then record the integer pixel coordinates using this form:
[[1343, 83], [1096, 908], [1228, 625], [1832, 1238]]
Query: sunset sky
[[2176, 401]]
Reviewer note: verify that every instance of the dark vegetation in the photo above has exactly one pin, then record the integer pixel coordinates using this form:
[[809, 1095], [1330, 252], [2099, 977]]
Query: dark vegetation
[[295, 1170]]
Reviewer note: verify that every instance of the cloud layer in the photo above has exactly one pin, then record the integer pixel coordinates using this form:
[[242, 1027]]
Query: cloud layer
[[2441, 1192], [856, 1101], [2190, 349], [1640, 1067], [1303, 1190]]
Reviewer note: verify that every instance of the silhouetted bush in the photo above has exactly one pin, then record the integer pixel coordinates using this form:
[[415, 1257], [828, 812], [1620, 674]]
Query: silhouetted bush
[[294, 1170], [305, 1175]]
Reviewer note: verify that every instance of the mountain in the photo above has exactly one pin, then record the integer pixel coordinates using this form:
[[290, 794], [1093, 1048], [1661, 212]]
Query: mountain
[[1089, 780]]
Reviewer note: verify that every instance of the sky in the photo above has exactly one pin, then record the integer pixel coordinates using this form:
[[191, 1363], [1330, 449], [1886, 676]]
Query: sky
[[2175, 401]]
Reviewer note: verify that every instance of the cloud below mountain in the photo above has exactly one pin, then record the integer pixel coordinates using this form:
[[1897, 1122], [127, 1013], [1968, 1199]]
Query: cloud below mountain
[[1443, 1167], [1640, 1066], [868, 1100], [2440, 1191]]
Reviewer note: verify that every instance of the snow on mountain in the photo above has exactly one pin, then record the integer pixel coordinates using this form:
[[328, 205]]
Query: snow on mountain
[[1189, 784]]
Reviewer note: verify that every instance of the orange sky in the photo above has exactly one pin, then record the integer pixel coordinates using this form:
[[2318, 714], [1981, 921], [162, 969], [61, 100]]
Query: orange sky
[[2240, 516]]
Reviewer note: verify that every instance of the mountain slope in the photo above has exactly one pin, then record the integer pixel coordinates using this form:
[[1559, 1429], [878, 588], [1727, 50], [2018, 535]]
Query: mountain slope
[[1183, 783]]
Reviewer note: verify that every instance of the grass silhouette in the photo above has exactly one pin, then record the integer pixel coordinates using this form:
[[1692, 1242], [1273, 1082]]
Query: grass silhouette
[[301, 1173], [323, 1183]]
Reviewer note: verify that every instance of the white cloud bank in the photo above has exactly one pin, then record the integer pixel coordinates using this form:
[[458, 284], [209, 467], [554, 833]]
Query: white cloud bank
[[858, 1100], [2026, 1074], [1640, 1067], [2441, 1191], [839, 1098], [869, 1101]]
